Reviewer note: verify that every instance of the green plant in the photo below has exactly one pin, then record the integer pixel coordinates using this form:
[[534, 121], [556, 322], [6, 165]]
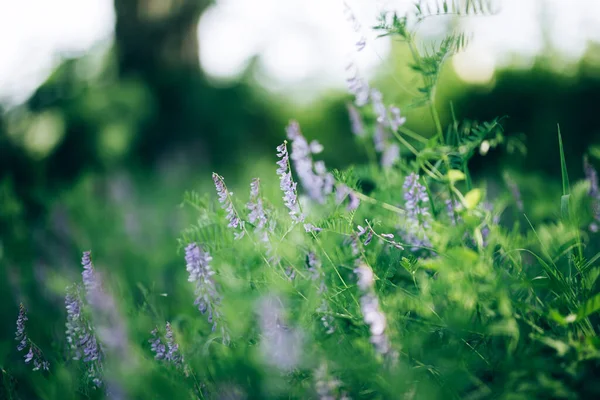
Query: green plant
[[397, 279]]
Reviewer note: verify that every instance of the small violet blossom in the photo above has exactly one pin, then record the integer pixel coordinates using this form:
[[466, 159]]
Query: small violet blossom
[[81, 337], [372, 314], [34, 355], [287, 184], [357, 86], [314, 177], [317, 275], [591, 175], [379, 107], [225, 200], [390, 156], [208, 298], [281, 345], [341, 192], [356, 123], [257, 215], [168, 352], [396, 120]]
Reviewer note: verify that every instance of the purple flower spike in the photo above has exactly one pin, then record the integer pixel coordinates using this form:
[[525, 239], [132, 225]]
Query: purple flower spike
[[34, 355], [287, 184], [21, 335], [314, 177], [208, 298], [379, 107], [225, 200], [397, 120], [168, 352], [591, 175], [356, 124]]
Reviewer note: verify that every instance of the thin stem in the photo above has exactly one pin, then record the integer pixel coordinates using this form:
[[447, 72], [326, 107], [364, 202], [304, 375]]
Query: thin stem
[[387, 206], [435, 116], [334, 266], [412, 134]]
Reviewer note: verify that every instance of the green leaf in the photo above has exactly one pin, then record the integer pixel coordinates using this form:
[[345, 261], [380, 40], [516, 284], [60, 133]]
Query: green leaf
[[595, 152], [591, 306], [563, 166], [564, 206], [473, 198], [455, 175]]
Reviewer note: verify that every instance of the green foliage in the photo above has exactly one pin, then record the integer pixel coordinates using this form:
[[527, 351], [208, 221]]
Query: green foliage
[[430, 286]]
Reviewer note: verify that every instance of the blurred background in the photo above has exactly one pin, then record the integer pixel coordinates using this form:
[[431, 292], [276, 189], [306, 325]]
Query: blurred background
[[110, 110]]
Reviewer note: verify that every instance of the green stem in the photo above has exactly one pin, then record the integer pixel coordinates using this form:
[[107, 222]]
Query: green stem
[[387, 206], [436, 117]]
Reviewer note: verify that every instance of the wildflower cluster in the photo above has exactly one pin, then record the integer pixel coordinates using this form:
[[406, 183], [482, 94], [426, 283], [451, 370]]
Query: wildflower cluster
[[397, 275], [281, 345], [328, 388], [167, 350], [208, 298], [34, 355], [287, 184], [316, 275], [227, 204], [372, 314], [418, 218], [314, 177], [81, 337]]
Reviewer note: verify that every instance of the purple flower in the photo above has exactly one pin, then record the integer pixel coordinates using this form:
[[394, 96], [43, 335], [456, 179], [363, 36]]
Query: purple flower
[[317, 275], [91, 281], [515, 191], [379, 107], [290, 272], [108, 333], [390, 156], [326, 386], [34, 355], [369, 305], [287, 184], [418, 218], [281, 345], [173, 354], [21, 335], [79, 332], [451, 206], [109, 326], [169, 352], [227, 205], [591, 175], [311, 228], [356, 124], [485, 230], [257, 214], [341, 192], [208, 298], [416, 198], [366, 278], [357, 86], [314, 267], [314, 177], [372, 314], [396, 120], [380, 138], [356, 26], [157, 346]]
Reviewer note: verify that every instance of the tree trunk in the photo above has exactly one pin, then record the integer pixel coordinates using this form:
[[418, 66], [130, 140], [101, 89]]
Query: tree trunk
[[153, 36]]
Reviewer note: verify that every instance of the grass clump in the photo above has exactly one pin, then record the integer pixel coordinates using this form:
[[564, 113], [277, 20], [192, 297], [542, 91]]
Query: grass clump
[[401, 278]]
